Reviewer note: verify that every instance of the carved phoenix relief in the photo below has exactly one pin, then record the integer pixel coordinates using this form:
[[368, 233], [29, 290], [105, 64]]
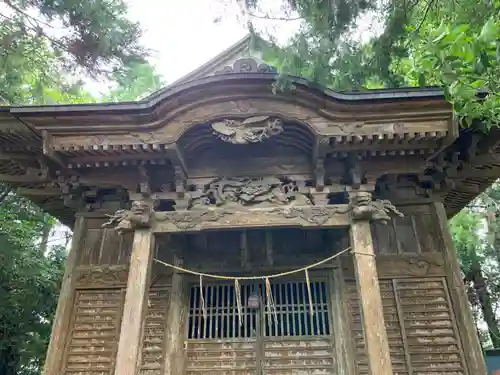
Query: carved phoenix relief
[[250, 130], [251, 192]]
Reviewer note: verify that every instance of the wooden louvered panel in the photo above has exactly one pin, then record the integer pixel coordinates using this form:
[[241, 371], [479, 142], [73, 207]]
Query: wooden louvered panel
[[393, 327], [302, 355], [94, 332], [153, 340], [433, 344], [221, 357]]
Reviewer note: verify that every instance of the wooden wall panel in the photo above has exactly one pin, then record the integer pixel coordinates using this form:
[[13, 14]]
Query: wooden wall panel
[[422, 334], [394, 332], [94, 332], [153, 340], [412, 234], [432, 341], [217, 357], [105, 247], [304, 355]]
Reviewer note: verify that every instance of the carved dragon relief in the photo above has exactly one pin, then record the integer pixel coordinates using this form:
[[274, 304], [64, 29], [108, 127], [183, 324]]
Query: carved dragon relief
[[250, 130], [249, 192], [267, 197]]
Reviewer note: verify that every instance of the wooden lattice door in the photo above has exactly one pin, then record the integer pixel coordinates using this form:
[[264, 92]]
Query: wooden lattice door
[[288, 342]]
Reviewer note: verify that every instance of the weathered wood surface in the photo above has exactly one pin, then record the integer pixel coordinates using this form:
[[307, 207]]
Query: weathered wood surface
[[175, 353], [94, 332], [371, 302], [402, 266], [299, 216], [472, 349], [423, 337], [341, 319], [154, 331], [135, 304], [64, 311]]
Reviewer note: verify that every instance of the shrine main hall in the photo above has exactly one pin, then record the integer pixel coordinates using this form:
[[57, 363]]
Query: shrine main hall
[[222, 228]]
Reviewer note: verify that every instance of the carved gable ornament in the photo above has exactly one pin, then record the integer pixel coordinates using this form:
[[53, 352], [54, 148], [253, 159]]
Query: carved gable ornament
[[254, 129], [247, 65]]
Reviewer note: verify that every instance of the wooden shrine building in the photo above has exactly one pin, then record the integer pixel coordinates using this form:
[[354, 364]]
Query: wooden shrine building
[[216, 174]]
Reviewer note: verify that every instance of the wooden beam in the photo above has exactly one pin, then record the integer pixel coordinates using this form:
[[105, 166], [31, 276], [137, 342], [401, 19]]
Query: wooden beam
[[218, 218], [474, 359], [60, 327], [176, 318], [372, 314], [53, 192], [135, 306], [23, 178], [15, 156]]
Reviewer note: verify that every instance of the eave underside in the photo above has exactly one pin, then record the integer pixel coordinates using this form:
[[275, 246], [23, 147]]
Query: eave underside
[[67, 160]]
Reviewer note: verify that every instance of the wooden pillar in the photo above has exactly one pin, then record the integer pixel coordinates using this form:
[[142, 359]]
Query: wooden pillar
[[372, 314], [135, 306], [176, 318], [344, 349], [60, 328], [474, 358]]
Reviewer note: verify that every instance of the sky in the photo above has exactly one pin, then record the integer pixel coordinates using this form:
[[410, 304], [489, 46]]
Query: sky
[[182, 34]]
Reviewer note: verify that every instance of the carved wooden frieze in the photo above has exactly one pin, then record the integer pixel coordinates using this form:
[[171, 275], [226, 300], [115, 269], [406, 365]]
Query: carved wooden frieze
[[223, 217], [98, 276], [187, 220], [249, 192], [317, 215], [253, 129]]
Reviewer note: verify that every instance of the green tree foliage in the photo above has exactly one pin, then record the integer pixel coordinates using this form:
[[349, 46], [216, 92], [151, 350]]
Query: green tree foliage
[[135, 82], [47, 49], [453, 44], [45, 44], [30, 273]]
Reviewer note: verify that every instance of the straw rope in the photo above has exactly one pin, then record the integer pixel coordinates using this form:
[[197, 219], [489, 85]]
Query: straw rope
[[271, 308], [286, 273]]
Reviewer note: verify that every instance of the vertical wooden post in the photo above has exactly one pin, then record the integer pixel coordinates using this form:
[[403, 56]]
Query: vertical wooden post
[[344, 350], [474, 358], [372, 314], [177, 311], [60, 328], [135, 306]]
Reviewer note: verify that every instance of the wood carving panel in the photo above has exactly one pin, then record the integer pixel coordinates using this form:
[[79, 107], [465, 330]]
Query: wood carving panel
[[402, 266], [101, 276], [94, 332], [393, 326], [153, 340]]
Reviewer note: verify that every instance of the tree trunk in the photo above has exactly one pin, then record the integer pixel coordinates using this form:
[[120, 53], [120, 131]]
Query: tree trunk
[[47, 227], [486, 307]]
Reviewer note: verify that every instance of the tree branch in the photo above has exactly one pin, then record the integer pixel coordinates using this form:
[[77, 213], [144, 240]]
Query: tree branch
[[267, 17]]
